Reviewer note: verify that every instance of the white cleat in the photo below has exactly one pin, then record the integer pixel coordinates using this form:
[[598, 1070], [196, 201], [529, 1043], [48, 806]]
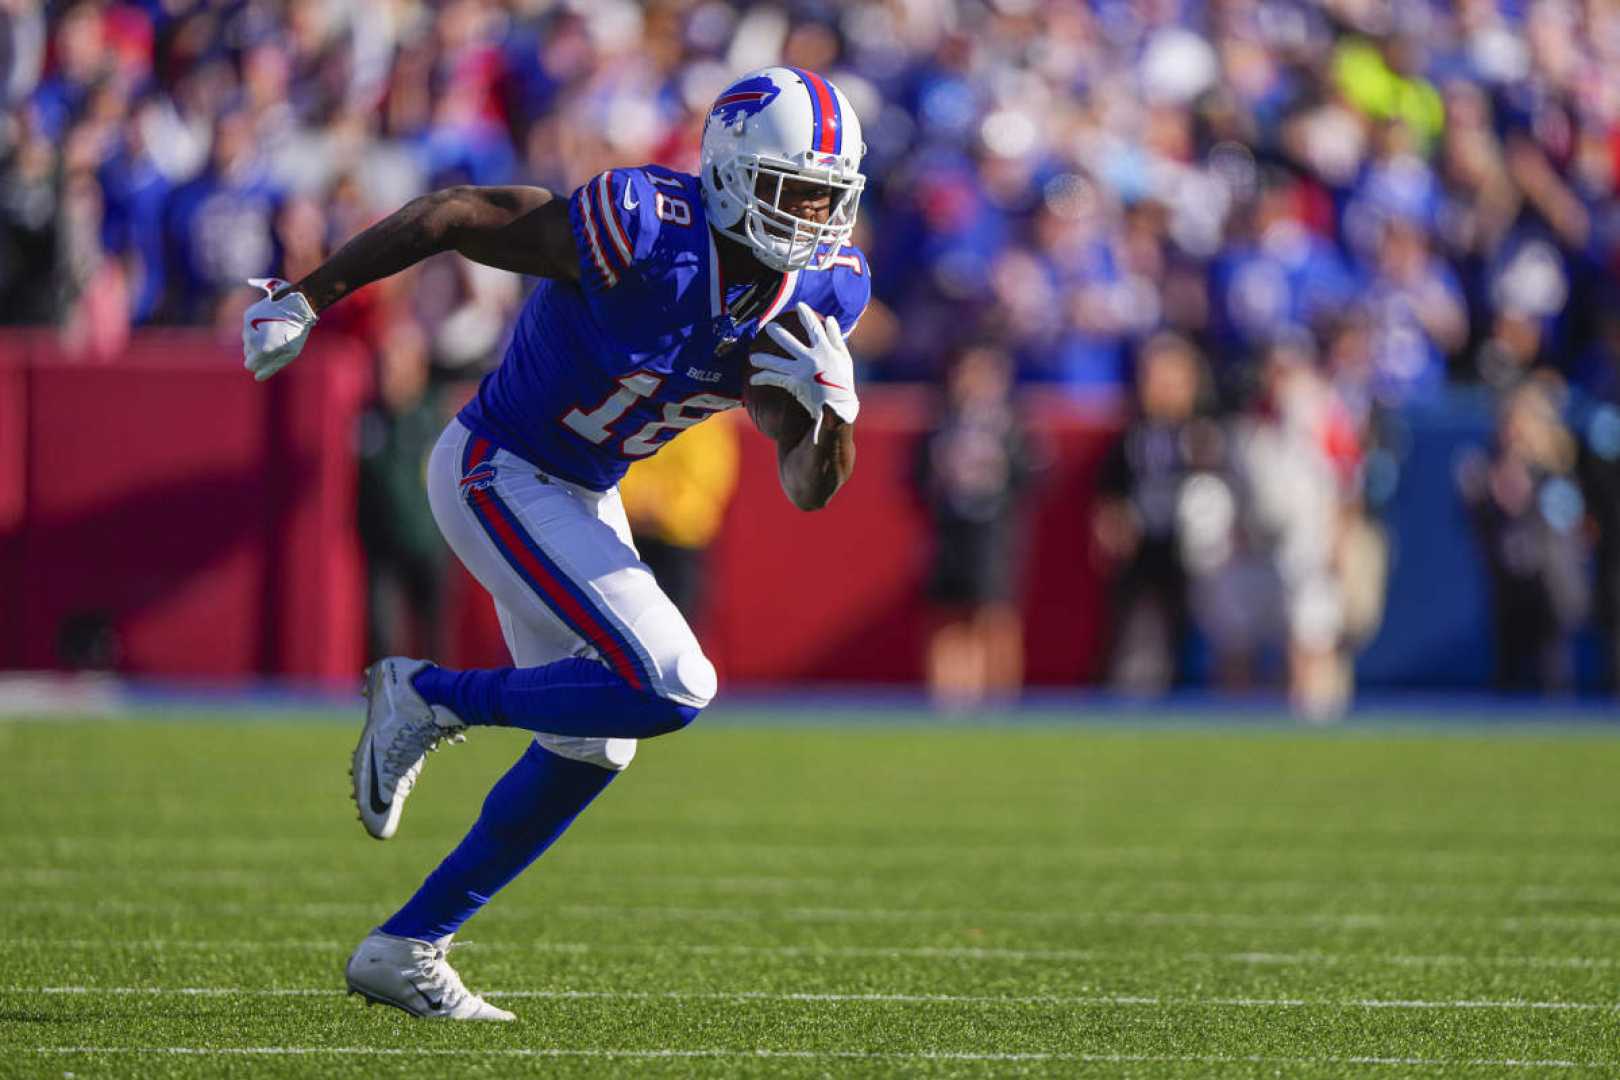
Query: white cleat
[[400, 730], [413, 975]]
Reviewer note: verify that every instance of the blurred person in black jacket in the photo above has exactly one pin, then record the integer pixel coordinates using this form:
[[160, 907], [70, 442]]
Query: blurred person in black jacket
[[405, 558], [1143, 510], [1529, 512], [1599, 470], [973, 470]]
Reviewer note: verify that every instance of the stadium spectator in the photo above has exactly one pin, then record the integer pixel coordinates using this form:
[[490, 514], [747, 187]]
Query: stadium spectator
[[1600, 486], [1597, 419], [1529, 512], [1298, 451], [405, 557], [1417, 310], [1155, 522], [1275, 272], [676, 501], [972, 471], [218, 227], [30, 210]]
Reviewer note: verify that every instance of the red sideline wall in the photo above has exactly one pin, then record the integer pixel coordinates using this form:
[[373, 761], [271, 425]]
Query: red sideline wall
[[210, 520], [13, 495], [207, 518]]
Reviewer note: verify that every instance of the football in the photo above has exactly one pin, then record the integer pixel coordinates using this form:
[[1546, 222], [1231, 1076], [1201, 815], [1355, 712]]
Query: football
[[773, 410]]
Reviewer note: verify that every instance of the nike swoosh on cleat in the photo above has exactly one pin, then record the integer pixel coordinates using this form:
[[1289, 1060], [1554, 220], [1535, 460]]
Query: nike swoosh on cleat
[[255, 323], [378, 804], [429, 1002]]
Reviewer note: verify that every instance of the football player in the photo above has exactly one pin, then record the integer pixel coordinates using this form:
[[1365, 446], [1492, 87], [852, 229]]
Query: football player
[[654, 287]]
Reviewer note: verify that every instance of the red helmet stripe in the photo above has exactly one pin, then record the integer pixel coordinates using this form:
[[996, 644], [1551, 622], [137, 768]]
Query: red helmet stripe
[[827, 144]]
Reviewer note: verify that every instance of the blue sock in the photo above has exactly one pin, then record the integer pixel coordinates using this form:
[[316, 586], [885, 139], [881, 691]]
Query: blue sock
[[525, 812], [569, 697]]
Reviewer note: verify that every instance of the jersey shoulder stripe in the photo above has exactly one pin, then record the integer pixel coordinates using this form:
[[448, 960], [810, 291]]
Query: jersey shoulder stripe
[[585, 210], [602, 192], [618, 217]]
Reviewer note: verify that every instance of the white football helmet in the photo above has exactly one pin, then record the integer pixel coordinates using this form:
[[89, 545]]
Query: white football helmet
[[781, 124]]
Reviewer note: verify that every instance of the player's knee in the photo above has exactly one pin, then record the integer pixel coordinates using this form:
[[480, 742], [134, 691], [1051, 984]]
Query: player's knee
[[613, 754], [689, 682], [685, 685], [660, 715]]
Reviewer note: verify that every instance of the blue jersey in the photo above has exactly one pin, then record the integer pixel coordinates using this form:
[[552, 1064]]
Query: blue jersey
[[649, 341]]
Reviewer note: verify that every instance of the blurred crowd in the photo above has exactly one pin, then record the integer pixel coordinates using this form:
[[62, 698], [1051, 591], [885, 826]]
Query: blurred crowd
[[1251, 229]]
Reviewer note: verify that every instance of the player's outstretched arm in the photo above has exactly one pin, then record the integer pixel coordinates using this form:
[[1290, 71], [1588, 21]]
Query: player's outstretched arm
[[523, 229], [804, 399]]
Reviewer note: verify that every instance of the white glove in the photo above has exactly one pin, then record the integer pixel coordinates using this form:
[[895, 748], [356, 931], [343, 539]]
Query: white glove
[[274, 331], [819, 374]]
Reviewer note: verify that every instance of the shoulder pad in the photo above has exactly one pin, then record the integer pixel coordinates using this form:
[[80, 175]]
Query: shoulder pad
[[852, 286], [616, 224]]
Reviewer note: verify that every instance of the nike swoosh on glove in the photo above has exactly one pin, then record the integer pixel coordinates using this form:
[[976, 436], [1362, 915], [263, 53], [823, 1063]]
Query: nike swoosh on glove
[[818, 374], [274, 331]]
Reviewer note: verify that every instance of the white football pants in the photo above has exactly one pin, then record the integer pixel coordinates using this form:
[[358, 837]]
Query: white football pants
[[562, 568]]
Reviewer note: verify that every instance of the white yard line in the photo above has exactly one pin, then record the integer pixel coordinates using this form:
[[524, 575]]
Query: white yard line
[[804, 914], [1314, 959], [875, 952], [831, 1055], [972, 917], [72, 877], [1038, 1000], [178, 991], [901, 850], [222, 944]]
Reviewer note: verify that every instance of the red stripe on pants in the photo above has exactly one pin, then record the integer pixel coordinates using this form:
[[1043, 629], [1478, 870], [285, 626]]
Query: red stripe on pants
[[594, 631]]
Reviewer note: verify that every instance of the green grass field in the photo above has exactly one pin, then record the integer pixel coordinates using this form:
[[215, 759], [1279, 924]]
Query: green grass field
[[771, 900]]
